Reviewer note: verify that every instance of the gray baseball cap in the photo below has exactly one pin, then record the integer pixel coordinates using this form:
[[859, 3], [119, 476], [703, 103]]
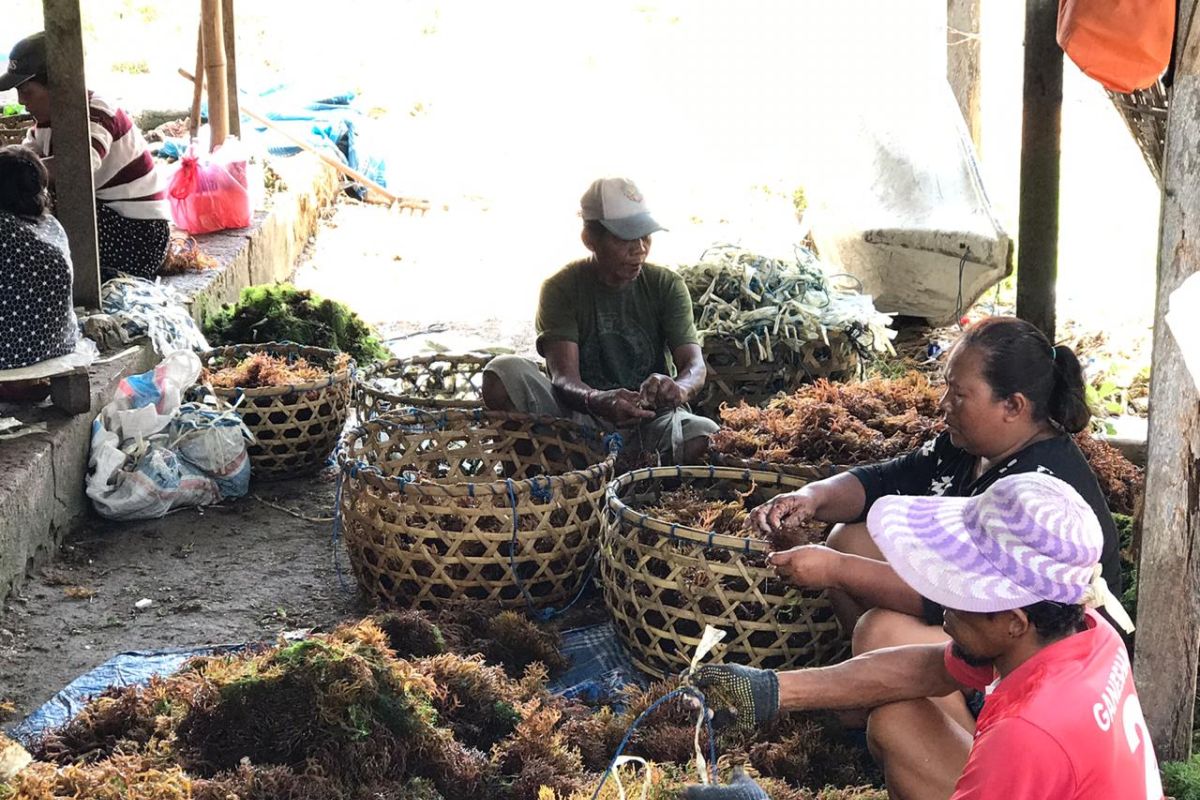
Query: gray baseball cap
[[617, 204]]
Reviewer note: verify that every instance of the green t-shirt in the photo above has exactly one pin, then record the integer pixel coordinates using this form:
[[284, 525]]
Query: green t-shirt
[[625, 334]]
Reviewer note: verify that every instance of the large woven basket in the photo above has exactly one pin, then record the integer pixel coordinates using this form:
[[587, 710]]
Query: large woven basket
[[12, 129], [664, 583], [295, 427], [809, 472], [428, 503], [737, 374]]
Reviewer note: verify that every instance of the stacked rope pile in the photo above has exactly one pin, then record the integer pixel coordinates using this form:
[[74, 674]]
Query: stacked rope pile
[[768, 323]]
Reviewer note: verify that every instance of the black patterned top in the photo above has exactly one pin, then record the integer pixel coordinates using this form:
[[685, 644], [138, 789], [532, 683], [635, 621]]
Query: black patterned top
[[939, 468], [37, 319]]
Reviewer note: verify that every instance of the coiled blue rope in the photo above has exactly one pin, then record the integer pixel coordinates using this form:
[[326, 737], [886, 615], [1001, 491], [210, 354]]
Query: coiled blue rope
[[681, 691]]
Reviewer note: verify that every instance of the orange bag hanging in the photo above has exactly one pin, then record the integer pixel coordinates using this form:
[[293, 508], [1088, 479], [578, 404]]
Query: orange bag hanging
[[1123, 44]]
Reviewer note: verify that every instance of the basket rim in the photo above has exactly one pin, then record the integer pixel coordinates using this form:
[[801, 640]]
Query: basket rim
[[804, 469], [416, 418], [342, 375], [745, 544]]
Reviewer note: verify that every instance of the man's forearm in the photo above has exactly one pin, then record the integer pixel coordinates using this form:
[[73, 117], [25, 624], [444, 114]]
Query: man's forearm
[[876, 584], [573, 392], [870, 680], [691, 379]]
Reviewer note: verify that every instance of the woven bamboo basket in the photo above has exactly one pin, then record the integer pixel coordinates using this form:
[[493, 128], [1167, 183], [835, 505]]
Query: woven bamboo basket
[[295, 427], [664, 583], [12, 129], [428, 503], [743, 374], [1145, 114], [809, 472], [440, 380]]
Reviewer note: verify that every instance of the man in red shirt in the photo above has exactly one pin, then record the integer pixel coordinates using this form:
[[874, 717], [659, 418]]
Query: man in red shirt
[[1016, 569]]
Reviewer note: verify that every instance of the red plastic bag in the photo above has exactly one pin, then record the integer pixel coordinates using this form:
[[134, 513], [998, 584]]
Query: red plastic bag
[[206, 197], [1123, 44]]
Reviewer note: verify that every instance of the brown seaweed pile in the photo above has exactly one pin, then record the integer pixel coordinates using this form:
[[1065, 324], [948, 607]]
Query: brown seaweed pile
[[341, 717], [697, 508], [834, 423], [1121, 481], [861, 423]]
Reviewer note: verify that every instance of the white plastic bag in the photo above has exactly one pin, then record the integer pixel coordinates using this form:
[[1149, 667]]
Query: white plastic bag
[[148, 456]]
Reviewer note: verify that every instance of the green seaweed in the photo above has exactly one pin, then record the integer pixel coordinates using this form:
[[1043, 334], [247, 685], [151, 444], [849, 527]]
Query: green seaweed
[[280, 312]]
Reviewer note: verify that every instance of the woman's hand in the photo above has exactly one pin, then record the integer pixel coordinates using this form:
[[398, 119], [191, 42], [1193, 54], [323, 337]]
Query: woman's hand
[[786, 510], [813, 566]]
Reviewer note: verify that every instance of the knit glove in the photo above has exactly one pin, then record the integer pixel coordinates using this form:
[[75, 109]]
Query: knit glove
[[741, 787], [744, 696]]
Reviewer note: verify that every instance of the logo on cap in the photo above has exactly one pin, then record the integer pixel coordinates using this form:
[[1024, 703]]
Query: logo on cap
[[631, 191], [13, 66]]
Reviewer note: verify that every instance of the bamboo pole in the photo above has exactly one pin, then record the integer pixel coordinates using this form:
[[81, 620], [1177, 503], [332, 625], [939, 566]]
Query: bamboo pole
[[197, 86], [214, 68], [231, 86]]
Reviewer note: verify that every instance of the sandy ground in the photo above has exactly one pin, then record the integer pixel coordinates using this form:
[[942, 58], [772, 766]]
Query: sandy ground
[[243, 572]]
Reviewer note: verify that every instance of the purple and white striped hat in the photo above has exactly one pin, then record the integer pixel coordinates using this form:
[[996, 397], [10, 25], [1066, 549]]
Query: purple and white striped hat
[[1028, 537]]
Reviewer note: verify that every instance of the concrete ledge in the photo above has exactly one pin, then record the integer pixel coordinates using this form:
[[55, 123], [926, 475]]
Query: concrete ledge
[[42, 475]]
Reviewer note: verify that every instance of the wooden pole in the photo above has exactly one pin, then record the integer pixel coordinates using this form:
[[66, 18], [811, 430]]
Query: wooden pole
[[1168, 637], [198, 86], [76, 201], [214, 69], [1041, 128], [962, 63], [231, 84]]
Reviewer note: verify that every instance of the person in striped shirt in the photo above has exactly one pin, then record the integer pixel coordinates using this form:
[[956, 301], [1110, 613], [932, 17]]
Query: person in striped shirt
[[132, 211]]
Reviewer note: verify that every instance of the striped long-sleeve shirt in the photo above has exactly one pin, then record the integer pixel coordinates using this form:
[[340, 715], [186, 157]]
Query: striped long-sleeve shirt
[[123, 169]]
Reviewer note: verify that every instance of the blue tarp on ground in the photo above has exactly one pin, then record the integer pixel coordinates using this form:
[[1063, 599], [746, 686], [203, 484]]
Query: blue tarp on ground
[[599, 668]]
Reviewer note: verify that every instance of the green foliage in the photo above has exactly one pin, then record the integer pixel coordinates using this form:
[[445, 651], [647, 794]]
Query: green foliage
[[282, 313], [1181, 779], [132, 67], [12, 110]]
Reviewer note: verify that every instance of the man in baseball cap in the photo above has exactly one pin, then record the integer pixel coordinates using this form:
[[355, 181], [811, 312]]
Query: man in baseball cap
[[618, 337], [1017, 569], [132, 211]]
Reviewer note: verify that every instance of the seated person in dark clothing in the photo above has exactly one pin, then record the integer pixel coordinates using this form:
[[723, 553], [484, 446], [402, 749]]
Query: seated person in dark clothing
[[618, 336], [1012, 402], [37, 318]]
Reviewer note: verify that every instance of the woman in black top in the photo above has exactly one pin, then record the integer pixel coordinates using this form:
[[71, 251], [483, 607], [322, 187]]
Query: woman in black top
[[1012, 402]]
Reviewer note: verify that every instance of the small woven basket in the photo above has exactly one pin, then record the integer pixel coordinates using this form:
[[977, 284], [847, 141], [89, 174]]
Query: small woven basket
[[428, 502], [12, 129], [433, 381], [295, 427], [737, 374], [664, 583]]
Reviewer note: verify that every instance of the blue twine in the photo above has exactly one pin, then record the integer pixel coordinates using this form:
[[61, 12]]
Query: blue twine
[[613, 442], [543, 491], [682, 690]]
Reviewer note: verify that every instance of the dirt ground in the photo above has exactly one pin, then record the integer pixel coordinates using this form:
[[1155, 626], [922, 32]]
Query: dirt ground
[[245, 571]]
